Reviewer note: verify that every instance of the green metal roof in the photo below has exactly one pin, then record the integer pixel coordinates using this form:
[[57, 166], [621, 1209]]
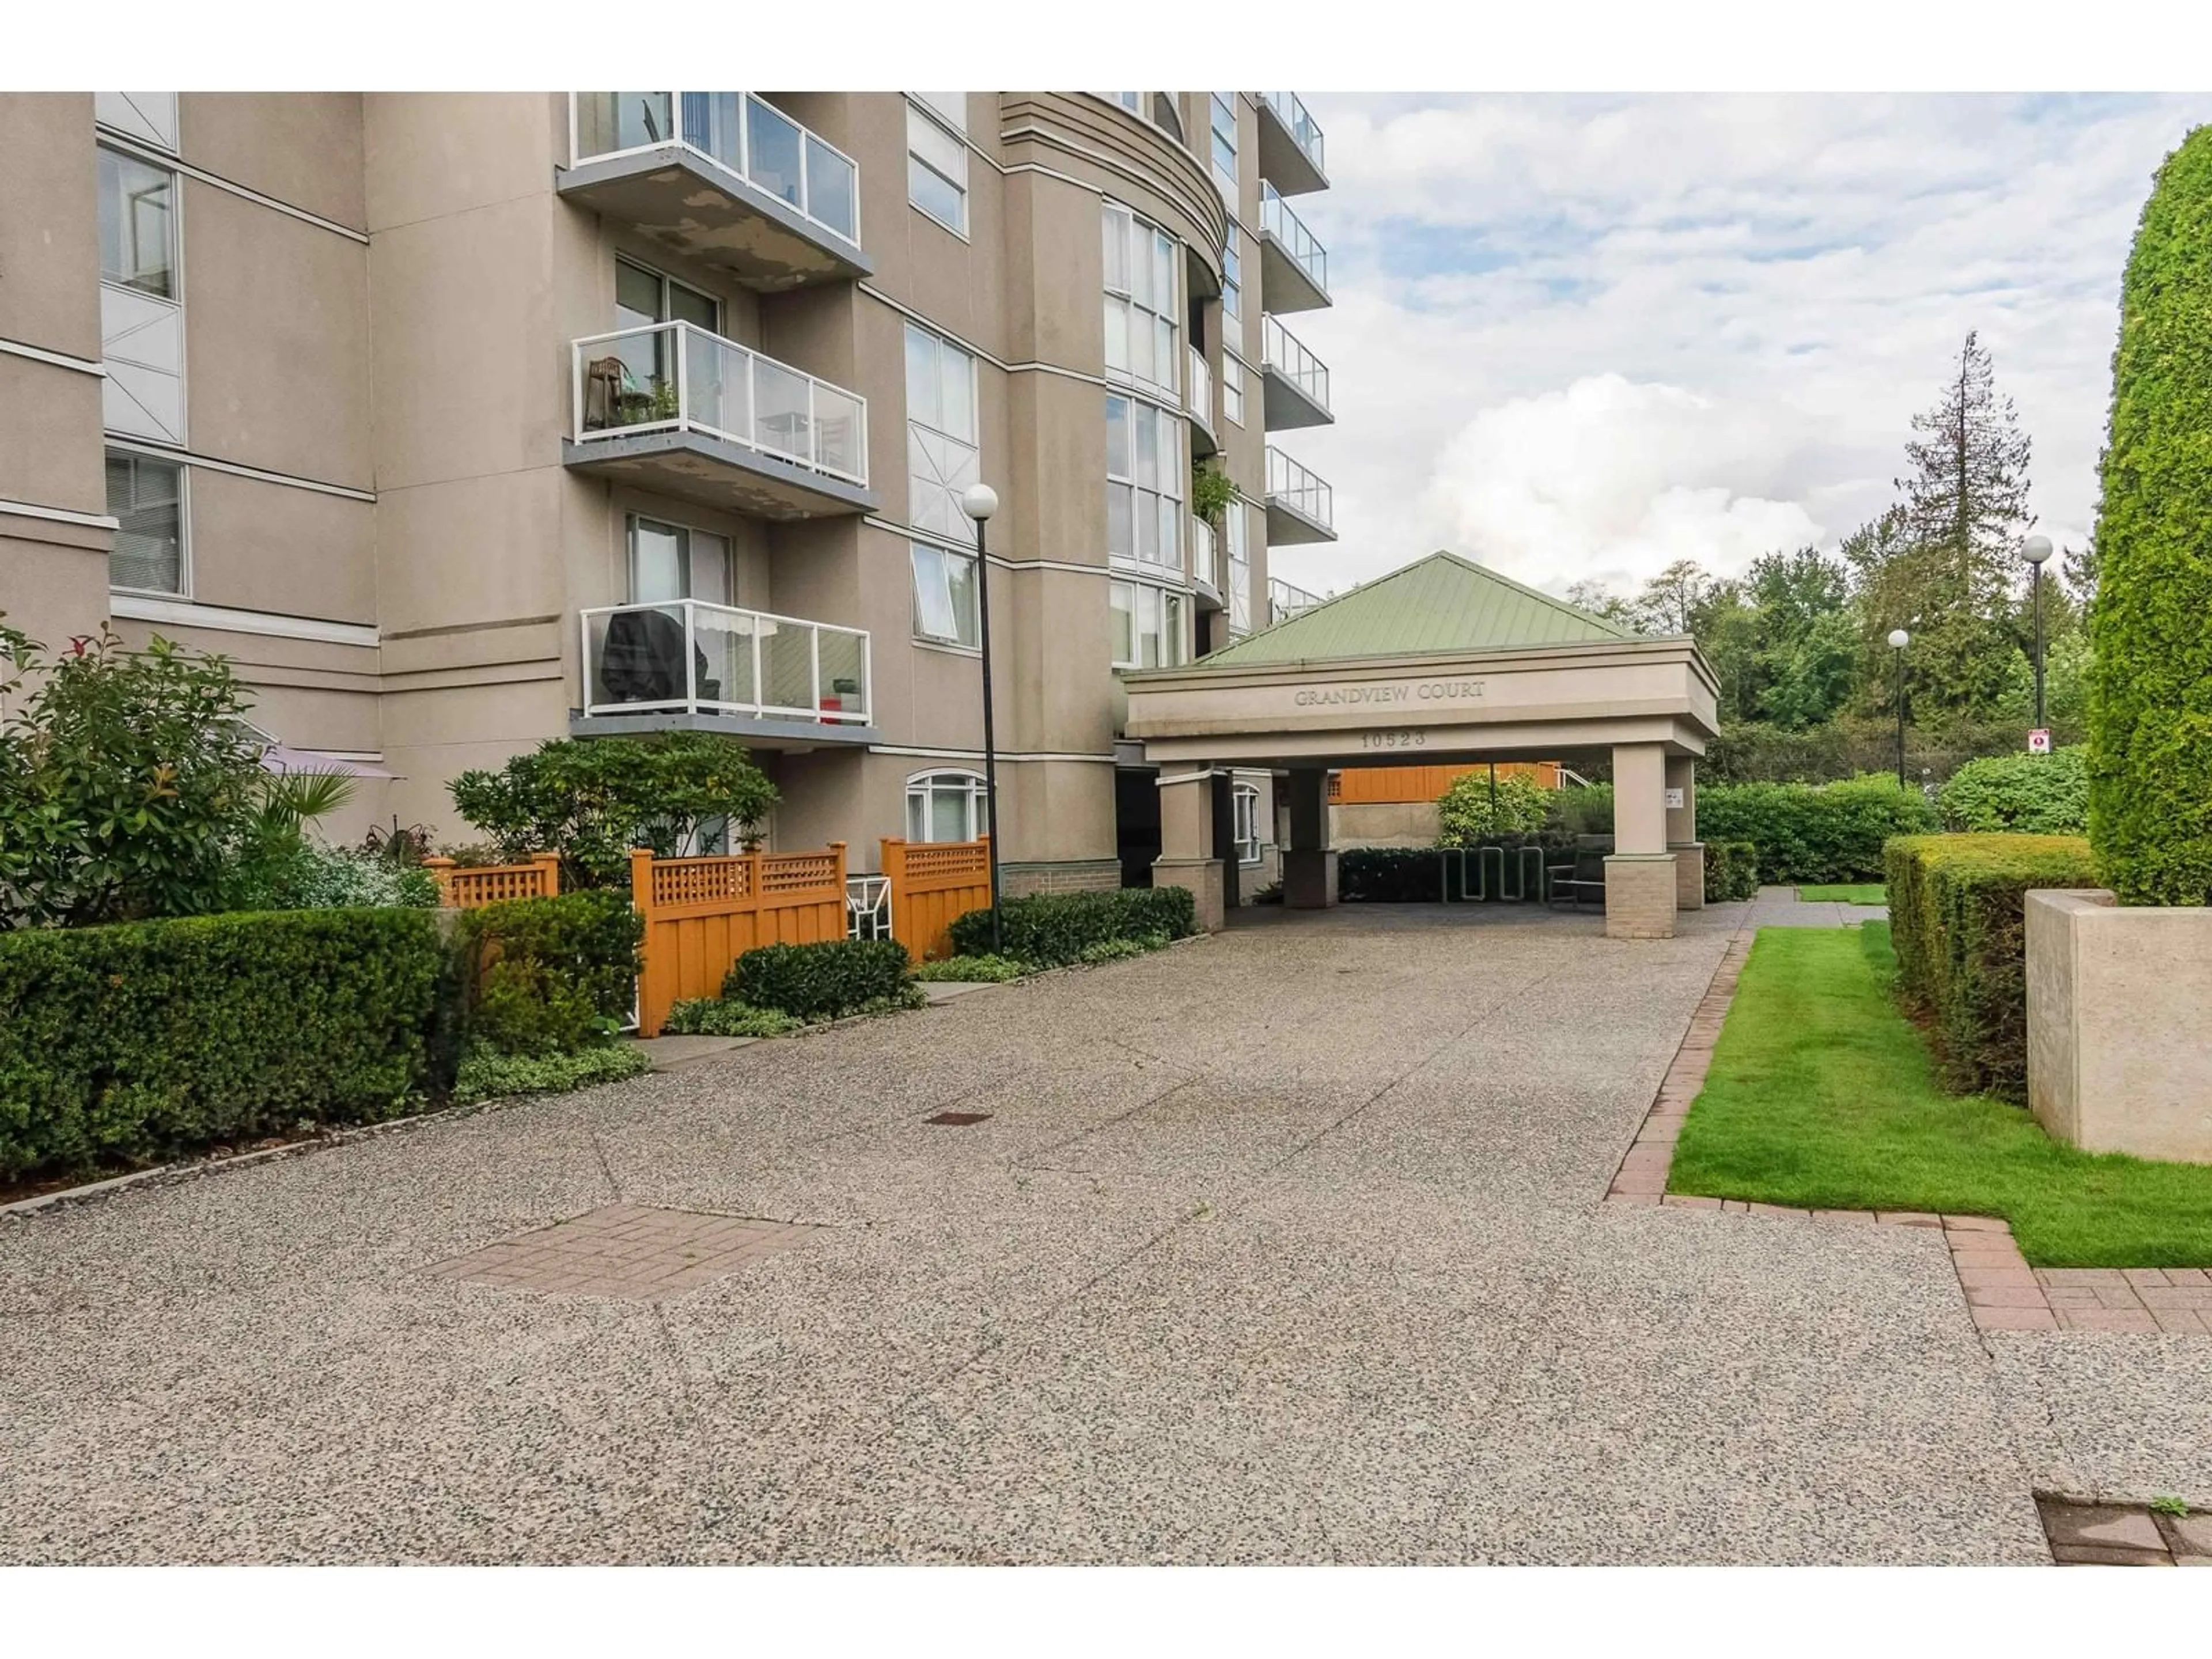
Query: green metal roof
[[1440, 605]]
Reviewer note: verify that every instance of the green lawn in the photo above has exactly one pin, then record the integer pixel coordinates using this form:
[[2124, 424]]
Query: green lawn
[[1821, 1096], [1854, 892]]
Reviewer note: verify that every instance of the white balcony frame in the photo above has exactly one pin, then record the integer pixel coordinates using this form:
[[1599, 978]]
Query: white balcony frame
[[1304, 248], [1300, 490], [1286, 354], [1294, 115], [676, 139], [692, 704], [683, 421]]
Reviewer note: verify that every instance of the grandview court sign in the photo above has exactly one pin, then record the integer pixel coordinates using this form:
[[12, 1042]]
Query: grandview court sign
[[1427, 691]]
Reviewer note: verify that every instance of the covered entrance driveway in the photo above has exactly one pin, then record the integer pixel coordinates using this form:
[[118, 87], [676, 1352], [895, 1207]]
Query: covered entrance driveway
[[1443, 661]]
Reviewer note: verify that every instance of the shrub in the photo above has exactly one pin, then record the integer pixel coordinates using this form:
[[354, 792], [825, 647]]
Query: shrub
[[2027, 795], [308, 876], [1579, 810], [146, 1040], [1814, 834], [591, 799], [819, 981], [1120, 950], [1050, 930], [1731, 871], [985, 969], [546, 976], [1956, 922], [715, 1017], [1389, 875], [485, 1073], [2150, 709], [1469, 817]]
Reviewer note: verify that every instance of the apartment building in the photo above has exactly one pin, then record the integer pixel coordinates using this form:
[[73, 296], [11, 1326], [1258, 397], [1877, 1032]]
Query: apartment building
[[461, 422]]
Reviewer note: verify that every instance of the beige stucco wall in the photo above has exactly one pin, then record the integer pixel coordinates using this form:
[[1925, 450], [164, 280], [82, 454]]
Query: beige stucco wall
[[2119, 1058], [264, 546], [302, 148]]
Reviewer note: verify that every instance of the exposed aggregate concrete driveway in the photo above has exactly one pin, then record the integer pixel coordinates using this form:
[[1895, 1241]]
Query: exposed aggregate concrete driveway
[[1284, 1245]]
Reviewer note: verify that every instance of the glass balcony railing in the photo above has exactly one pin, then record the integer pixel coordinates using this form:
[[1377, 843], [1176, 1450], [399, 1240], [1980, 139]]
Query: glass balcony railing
[[674, 377], [1291, 485], [1282, 353], [1286, 601], [1277, 219], [1304, 130], [1198, 386], [738, 132], [690, 656], [1201, 553]]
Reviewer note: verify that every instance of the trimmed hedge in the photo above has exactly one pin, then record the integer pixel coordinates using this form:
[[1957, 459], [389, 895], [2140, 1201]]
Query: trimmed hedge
[[1731, 871], [1957, 924], [1389, 875], [546, 976], [2150, 705], [2019, 793], [819, 981], [1814, 834], [1051, 930], [146, 1040]]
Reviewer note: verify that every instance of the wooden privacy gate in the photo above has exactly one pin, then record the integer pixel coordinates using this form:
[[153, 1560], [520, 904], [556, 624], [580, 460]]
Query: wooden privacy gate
[[931, 883], [701, 914]]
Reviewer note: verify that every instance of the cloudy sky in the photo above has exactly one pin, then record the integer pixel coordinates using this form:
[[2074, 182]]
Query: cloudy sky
[[1586, 336]]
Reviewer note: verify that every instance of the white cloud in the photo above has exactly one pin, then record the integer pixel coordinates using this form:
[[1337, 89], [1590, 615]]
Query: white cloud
[[1582, 336]]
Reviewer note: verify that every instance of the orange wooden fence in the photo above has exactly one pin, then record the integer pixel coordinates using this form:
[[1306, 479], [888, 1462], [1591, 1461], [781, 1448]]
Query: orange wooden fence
[[701, 914], [471, 887], [1361, 785], [933, 883]]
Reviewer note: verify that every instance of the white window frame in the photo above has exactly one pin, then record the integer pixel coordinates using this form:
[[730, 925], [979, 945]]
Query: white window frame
[[1244, 822], [174, 228], [1170, 614], [147, 117], [1235, 526], [921, 106], [921, 788], [184, 588], [1170, 486], [1232, 275], [1232, 388], [1162, 255], [945, 553], [927, 440]]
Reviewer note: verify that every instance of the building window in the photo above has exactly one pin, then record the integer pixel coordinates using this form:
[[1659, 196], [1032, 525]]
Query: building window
[[943, 459], [1148, 624], [1239, 571], [137, 225], [1144, 469], [945, 806], [669, 562], [643, 297], [1232, 278], [944, 608], [1244, 799], [1140, 301], [937, 157], [146, 497], [1233, 389], [148, 117], [1223, 119]]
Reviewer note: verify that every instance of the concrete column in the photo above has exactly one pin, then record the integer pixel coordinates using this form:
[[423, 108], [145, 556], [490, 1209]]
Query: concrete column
[[1309, 862], [1186, 857], [1640, 876], [1682, 833]]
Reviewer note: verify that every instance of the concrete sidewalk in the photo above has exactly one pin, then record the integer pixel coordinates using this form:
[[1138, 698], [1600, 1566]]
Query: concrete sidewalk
[[1284, 1245]]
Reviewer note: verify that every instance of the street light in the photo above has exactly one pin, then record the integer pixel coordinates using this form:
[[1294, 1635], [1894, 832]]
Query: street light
[[2038, 549], [980, 502], [1898, 639]]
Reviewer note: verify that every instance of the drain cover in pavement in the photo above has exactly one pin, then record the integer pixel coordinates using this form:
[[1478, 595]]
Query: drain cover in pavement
[[624, 1250], [958, 1119]]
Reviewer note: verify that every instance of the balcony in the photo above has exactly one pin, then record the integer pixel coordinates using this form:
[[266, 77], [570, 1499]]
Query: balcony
[[1205, 570], [1300, 506], [1293, 155], [724, 177], [777, 682], [1297, 381], [1293, 266], [1285, 601], [674, 408], [1198, 399]]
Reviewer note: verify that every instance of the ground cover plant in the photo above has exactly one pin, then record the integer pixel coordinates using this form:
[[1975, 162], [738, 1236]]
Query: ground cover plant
[[721, 1016], [1823, 1096], [485, 1073], [985, 970]]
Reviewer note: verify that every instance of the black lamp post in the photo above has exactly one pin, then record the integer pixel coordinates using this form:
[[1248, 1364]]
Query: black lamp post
[[2038, 549], [1898, 639], [980, 502]]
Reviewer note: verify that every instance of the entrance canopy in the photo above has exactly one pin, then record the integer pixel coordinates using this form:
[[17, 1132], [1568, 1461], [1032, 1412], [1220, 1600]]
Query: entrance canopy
[[1442, 659]]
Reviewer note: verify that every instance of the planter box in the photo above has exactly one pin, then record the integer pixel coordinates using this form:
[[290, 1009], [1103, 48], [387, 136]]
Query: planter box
[[2119, 1044]]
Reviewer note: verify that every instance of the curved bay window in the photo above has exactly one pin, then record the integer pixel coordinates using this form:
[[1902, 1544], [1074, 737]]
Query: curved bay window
[[944, 806]]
